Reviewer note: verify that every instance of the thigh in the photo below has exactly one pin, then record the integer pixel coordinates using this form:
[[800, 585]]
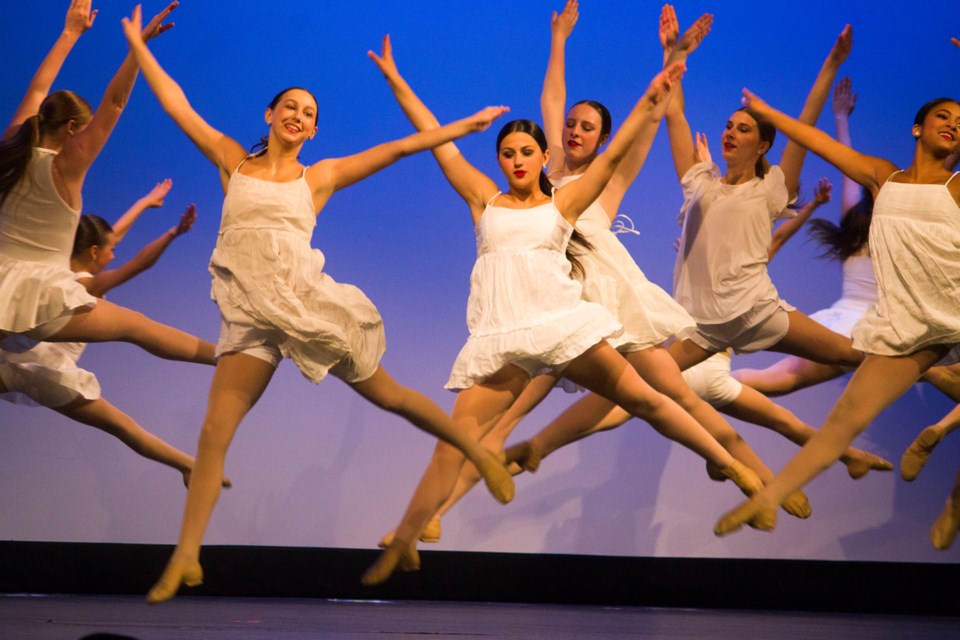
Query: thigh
[[687, 353], [238, 382], [604, 371], [478, 408], [656, 366], [809, 339]]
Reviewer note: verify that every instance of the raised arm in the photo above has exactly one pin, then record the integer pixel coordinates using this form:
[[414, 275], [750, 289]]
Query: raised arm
[[788, 228], [843, 103], [152, 200], [79, 18], [224, 152], [869, 171], [791, 162], [106, 280], [678, 129], [575, 197], [472, 185], [81, 150], [553, 97]]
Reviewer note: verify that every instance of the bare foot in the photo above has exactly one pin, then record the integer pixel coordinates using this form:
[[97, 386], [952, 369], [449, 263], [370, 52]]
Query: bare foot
[[176, 573], [430, 533], [398, 555], [749, 513], [944, 530], [744, 477], [860, 463], [498, 479], [917, 453], [525, 455], [797, 505]]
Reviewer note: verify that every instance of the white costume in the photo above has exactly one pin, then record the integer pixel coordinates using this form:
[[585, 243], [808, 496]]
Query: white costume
[[524, 308], [915, 244], [859, 293], [273, 295]]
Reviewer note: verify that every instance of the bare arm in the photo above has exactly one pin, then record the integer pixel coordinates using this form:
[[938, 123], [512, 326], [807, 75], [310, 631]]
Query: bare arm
[[224, 152], [472, 185], [869, 171], [678, 129], [79, 19], [104, 281], [553, 97], [843, 103], [152, 200], [788, 228], [791, 162]]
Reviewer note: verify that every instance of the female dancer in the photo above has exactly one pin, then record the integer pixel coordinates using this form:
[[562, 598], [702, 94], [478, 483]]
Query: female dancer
[[48, 374], [525, 311], [915, 246], [45, 154], [280, 303]]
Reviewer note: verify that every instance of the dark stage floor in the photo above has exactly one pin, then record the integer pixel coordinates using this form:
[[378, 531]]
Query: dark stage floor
[[73, 617]]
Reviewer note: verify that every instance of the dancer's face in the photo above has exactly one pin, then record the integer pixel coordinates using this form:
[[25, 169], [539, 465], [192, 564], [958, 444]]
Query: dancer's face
[[581, 133], [102, 255], [941, 129], [294, 119], [741, 141], [521, 160]]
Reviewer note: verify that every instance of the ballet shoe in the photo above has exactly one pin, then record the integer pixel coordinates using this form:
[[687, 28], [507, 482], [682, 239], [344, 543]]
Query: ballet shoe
[[861, 466], [715, 472], [524, 455], [396, 556], [944, 530], [749, 513], [497, 478], [430, 533], [917, 453], [797, 505], [176, 573], [744, 477]]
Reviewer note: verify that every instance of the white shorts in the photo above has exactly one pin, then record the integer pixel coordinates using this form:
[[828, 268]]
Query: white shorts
[[760, 328], [711, 380]]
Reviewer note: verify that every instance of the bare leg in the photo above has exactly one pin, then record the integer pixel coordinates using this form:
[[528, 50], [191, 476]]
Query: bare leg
[[687, 353], [476, 410], [813, 341], [382, 390], [876, 384], [916, 455], [946, 379], [238, 382], [788, 375], [756, 408], [944, 530], [108, 322]]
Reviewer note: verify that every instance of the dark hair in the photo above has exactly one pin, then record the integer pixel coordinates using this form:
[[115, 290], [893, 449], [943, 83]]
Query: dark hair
[[768, 133], [262, 145], [91, 232], [927, 108], [846, 239], [606, 122], [578, 244], [56, 110]]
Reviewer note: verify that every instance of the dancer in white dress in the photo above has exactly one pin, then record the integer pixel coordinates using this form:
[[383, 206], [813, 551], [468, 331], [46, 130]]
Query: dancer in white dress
[[274, 297], [45, 154], [915, 246], [525, 313], [48, 374]]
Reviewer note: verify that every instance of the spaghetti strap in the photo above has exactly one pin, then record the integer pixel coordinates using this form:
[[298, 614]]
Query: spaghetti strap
[[495, 196], [890, 177], [949, 180]]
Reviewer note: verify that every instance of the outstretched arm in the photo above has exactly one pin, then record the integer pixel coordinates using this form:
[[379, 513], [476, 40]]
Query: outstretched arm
[[152, 200], [869, 171], [791, 162], [553, 97], [575, 197], [843, 103], [678, 129], [788, 228], [81, 150], [79, 18], [223, 151], [472, 185], [104, 281]]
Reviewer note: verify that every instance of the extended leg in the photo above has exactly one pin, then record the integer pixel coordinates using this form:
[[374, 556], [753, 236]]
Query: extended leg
[[787, 375]]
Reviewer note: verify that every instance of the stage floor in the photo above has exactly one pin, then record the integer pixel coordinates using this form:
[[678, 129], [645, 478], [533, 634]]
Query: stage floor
[[26, 617]]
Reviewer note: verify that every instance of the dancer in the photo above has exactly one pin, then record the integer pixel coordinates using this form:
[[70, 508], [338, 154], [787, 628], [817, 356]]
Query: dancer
[[48, 375], [915, 244], [525, 312], [944, 529], [45, 154], [280, 303]]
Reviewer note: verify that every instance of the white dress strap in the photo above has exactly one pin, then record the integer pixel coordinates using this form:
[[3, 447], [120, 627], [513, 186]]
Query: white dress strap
[[951, 178], [890, 177], [495, 196]]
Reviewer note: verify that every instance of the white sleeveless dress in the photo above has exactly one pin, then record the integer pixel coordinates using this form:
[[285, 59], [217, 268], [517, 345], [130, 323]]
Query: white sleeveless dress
[[915, 244], [266, 275], [524, 308]]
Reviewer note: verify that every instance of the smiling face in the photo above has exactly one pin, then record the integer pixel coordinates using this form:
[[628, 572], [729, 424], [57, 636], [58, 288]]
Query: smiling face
[[582, 134], [521, 160], [940, 128], [293, 117]]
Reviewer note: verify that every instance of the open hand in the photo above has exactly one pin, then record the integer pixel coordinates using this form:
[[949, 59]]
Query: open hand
[[482, 120], [664, 82], [821, 192], [186, 221], [562, 25], [669, 28], [841, 48], [79, 17], [385, 61], [693, 36], [155, 198], [701, 149], [751, 101]]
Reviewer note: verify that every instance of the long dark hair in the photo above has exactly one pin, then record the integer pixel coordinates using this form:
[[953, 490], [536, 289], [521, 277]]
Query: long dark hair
[[578, 244], [92, 231], [57, 109], [841, 241], [261, 146], [927, 108], [768, 133]]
